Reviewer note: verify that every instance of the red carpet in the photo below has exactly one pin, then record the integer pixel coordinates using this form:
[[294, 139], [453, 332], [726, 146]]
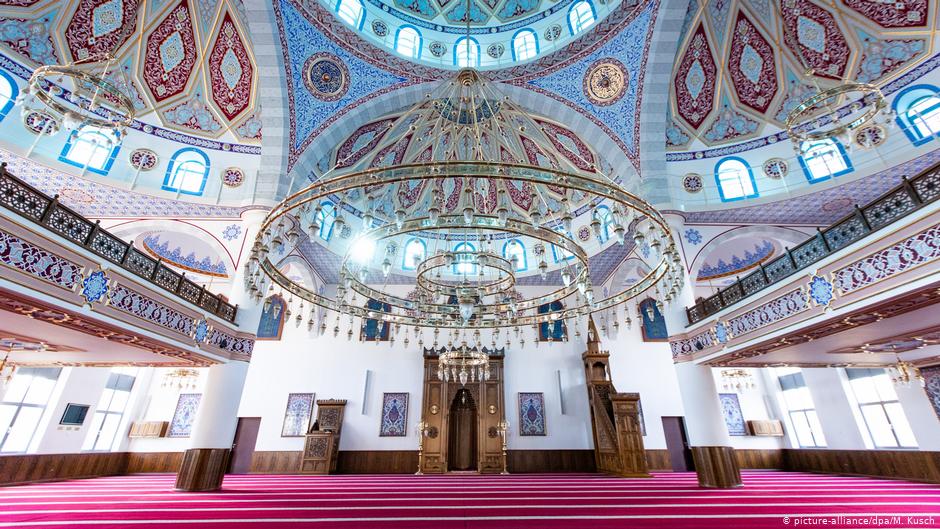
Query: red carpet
[[533, 501]]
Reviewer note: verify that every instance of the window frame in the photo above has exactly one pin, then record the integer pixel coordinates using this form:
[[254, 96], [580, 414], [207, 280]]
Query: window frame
[[419, 43], [14, 93], [750, 173], [607, 220], [322, 219], [361, 15], [174, 166], [19, 405], [457, 262], [404, 256], [580, 21], [902, 104], [459, 45], [839, 151], [881, 403], [535, 45], [75, 138], [790, 384], [114, 385], [523, 261]]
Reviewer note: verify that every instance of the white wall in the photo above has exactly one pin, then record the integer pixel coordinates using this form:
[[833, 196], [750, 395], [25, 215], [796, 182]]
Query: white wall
[[839, 418], [157, 403], [755, 407], [75, 385]]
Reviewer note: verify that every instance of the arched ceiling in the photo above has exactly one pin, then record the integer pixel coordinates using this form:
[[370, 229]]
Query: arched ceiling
[[738, 72], [187, 65]]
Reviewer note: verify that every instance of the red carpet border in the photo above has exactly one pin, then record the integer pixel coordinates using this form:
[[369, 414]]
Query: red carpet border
[[526, 501]]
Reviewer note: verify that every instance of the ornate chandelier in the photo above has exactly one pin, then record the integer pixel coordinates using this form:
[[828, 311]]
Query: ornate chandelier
[[470, 136], [181, 379], [736, 380], [825, 115], [94, 100], [905, 374], [463, 365]]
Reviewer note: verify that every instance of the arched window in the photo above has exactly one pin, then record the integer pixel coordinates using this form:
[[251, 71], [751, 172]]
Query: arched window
[[352, 12], [325, 218], [408, 42], [465, 263], [187, 172], [8, 93], [525, 45], [735, 180], [602, 214], [91, 148], [580, 16], [515, 248], [918, 112], [824, 159], [467, 52], [554, 330], [415, 251], [560, 254], [375, 330]]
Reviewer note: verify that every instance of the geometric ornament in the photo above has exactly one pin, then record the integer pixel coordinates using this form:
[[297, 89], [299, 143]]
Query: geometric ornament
[[201, 331], [95, 286], [813, 35], [171, 53], [326, 76], [99, 27], [695, 80], [692, 183], [143, 159], [731, 410], [821, 291], [233, 177], [776, 168], [230, 70], [605, 81], [753, 70]]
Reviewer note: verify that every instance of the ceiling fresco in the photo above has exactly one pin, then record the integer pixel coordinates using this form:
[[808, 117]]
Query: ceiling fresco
[[187, 65], [738, 71]]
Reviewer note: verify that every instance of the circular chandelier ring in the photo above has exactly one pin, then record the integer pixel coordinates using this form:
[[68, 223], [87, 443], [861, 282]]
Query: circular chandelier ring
[[484, 260], [497, 170], [481, 221], [80, 76], [800, 117]]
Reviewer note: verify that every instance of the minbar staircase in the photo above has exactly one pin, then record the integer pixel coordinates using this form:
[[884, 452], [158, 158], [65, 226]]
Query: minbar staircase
[[618, 438]]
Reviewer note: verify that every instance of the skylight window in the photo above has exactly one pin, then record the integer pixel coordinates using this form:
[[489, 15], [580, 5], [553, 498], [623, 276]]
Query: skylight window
[[735, 180], [581, 16], [467, 52], [823, 160], [187, 172], [352, 12], [91, 148], [525, 45], [408, 42]]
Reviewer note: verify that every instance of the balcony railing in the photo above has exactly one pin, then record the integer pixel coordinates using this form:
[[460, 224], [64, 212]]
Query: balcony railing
[[32, 204], [902, 200]]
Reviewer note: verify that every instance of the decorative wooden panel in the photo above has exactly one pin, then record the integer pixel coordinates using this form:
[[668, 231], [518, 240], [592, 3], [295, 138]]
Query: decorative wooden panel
[[321, 447], [49, 467], [902, 464], [148, 429], [154, 462], [533, 461], [765, 428]]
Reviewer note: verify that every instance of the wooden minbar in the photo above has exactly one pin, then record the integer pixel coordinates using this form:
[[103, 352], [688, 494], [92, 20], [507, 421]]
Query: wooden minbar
[[321, 446], [618, 438]]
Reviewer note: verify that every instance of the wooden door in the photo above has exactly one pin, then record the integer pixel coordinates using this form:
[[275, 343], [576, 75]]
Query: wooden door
[[462, 438], [246, 436], [677, 443]]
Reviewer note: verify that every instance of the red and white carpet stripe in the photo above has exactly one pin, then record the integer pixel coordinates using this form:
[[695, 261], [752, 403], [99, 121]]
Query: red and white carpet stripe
[[535, 501]]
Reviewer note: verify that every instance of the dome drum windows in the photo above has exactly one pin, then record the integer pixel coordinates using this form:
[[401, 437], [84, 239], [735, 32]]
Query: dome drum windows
[[514, 251], [415, 251], [187, 173], [581, 16], [408, 42], [353, 12], [8, 93], [822, 160], [918, 113], [735, 180], [467, 52], [525, 45], [91, 148]]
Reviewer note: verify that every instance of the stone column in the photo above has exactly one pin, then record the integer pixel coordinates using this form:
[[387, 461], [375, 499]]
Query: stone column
[[206, 461], [714, 457]]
